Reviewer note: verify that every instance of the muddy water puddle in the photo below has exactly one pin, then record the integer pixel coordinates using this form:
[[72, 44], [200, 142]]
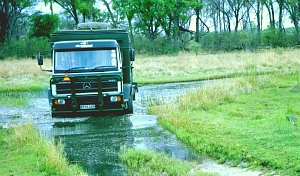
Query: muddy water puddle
[[95, 142]]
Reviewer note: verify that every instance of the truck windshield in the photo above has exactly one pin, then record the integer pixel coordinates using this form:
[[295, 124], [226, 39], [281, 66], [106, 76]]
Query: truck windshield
[[87, 60]]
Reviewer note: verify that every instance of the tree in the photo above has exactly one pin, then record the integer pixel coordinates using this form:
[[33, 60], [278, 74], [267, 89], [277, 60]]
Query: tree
[[86, 8], [270, 7], [10, 12], [126, 11], [117, 7], [236, 7], [70, 7], [293, 8], [51, 5], [150, 15], [77, 7], [198, 19], [211, 8], [223, 7], [178, 18], [258, 11], [43, 25]]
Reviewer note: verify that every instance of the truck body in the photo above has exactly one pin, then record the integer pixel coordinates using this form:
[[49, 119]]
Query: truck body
[[91, 73]]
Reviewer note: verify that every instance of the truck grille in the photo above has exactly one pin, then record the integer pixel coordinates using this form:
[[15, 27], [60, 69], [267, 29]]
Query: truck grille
[[86, 85]]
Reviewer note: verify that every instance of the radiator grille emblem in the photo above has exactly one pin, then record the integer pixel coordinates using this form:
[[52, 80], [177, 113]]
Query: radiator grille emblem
[[86, 86]]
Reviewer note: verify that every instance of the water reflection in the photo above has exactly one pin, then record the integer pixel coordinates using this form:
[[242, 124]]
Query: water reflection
[[96, 142]]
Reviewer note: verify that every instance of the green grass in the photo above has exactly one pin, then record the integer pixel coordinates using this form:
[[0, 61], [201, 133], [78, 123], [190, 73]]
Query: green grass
[[13, 99], [241, 121], [35, 84], [148, 162], [24, 152]]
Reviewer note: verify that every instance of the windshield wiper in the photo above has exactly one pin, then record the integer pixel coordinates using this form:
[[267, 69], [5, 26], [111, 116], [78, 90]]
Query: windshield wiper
[[101, 67], [75, 68]]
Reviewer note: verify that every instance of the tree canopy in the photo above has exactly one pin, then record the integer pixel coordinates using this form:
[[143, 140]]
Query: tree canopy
[[221, 24]]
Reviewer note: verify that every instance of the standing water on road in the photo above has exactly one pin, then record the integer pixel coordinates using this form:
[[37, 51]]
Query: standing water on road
[[95, 142]]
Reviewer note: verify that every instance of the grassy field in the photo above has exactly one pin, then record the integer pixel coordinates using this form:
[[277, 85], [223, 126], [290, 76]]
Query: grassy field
[[189, 67], [24, 152], [244, 119], [241, 120]]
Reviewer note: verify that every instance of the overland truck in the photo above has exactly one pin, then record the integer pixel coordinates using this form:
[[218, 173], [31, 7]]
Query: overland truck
[[91, 72]]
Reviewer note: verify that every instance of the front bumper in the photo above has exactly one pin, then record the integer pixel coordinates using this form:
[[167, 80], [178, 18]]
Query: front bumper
[[82, 106]]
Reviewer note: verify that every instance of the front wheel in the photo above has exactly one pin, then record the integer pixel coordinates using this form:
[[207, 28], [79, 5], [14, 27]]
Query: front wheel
[[129, 109]]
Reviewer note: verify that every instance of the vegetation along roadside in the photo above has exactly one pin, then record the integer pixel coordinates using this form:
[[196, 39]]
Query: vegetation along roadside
[[25, 152], [241, 121], [244, 120]]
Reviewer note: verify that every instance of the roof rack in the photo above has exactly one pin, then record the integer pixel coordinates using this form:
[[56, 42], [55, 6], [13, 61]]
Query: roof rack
[[92, 26]]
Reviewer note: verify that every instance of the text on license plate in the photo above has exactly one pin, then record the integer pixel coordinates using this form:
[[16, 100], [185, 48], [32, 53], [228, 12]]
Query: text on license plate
[[91, 106]]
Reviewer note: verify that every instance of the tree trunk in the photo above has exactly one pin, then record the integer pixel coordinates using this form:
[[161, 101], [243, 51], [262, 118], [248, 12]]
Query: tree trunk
[[114, 23], [131, 33], [270, 8], [258, 11], [197, 24]]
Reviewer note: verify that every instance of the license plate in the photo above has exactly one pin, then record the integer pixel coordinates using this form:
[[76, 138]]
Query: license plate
[[92, 106]]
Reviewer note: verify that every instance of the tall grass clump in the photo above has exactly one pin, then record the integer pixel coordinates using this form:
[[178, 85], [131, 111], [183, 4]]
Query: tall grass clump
[[24, 144], [216, 92], [13, 99], [148, 162]]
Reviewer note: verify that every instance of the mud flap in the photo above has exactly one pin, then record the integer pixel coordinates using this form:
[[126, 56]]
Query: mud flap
[[134, 90], [127, 91], [49, 97]]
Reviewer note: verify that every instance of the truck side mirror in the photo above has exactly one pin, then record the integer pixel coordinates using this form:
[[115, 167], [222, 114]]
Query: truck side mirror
[[40, 59], [132, 55]]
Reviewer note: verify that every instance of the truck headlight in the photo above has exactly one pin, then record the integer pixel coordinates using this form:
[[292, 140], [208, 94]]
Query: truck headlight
[[59, 101], [115, 98]]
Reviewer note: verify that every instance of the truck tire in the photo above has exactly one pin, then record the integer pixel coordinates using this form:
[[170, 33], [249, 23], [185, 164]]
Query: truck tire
[[129, 109]]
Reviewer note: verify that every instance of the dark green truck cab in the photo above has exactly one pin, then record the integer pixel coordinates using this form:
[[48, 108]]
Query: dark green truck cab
[[91, 73]]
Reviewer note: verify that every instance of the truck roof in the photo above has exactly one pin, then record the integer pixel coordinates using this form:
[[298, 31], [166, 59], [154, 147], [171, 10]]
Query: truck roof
[[115, 34], [69, 35], [85, 44]]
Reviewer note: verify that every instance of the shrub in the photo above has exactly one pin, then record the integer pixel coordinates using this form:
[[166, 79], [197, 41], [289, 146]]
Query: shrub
[[24, 47]]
